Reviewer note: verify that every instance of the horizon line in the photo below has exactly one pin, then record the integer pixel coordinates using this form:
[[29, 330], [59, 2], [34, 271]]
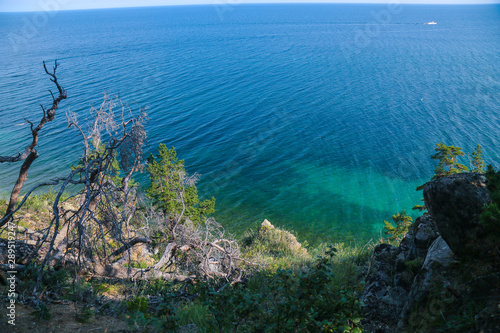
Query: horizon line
[[254, 3]]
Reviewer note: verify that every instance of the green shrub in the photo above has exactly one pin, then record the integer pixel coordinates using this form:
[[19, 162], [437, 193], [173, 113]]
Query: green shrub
[[140, 304], [447, 160], [80, 291], [402, 221], [478, 160], [311, 299], [194, 313]]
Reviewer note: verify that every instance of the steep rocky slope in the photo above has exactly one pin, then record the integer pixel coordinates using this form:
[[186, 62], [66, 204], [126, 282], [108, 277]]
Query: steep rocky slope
[[445, 274]]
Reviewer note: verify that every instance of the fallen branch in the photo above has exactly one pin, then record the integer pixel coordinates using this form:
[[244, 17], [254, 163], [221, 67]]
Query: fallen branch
[[120, 272], [125, 247]]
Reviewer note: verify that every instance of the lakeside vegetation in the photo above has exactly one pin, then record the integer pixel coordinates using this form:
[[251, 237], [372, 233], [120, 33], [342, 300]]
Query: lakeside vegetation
[[287, 287], [291, 289], [158, 261]]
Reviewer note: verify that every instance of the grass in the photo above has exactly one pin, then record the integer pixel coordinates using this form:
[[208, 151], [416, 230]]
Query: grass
[[35, 212], [274, 248]]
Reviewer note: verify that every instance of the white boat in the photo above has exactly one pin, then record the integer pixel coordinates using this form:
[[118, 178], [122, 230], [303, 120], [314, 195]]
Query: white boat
[[431, 23]]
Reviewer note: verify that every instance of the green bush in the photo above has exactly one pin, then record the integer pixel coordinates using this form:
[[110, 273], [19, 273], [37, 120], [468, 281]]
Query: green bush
[[311, 299], [278, 248], [197, 314], [172, 191], [397, 232]]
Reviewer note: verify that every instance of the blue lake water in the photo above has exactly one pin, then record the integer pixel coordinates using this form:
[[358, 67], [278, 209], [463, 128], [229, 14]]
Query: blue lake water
[[320, 118]]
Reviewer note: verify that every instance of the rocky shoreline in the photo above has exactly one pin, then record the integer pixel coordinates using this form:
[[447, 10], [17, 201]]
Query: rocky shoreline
[[446, 265]]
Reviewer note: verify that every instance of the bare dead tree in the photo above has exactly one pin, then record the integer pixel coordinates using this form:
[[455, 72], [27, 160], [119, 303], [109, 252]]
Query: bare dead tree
[[97, 227], [30, 153], [107, 207]]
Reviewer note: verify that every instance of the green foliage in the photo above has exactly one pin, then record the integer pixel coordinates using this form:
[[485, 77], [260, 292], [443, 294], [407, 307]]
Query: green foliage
[[140, 304], [197, 314], [53, 282], [458, 318], [420, 208], [231, 307], [40, 202], [3, 206], [478, 160], [447, 160], [490, 217], [38, 206], [311, 299], [170, 189], [320, 296], [80, 291], [140, 316], [493, 183], [402, 221], [159, 287], [448, 165], [101, 288], [136, 264]]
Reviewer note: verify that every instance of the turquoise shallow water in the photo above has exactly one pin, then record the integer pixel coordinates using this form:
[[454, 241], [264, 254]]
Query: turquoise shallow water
[[320, 118]]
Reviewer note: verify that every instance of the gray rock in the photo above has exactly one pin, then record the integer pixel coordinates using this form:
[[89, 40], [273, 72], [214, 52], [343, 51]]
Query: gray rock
[[426, 233], [419, 237], [455, 203], [382, 299], [390, 279], [439, 254], [408, 288], [404, 280], [430, 277]]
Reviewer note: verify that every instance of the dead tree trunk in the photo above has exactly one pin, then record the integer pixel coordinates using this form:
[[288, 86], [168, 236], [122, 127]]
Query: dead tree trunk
[[30, 153]]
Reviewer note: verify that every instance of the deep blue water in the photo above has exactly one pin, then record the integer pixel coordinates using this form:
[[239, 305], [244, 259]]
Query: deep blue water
[[320, 118]]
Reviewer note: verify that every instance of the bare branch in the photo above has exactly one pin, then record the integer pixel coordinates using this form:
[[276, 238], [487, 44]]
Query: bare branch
[[30, 153]]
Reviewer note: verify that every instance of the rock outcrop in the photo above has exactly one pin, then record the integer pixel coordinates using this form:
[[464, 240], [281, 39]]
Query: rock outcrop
[[269, 241], [455, 203], [436, 270], [391, 275]]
